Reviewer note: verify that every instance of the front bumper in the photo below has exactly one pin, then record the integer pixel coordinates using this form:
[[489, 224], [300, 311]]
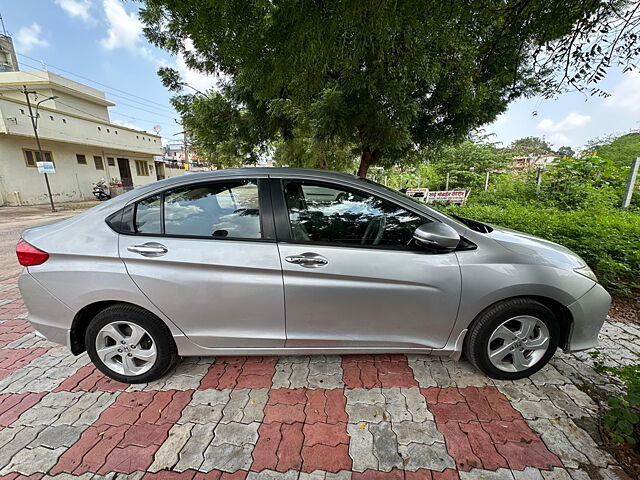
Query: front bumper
[[589, 313], [49, 316]]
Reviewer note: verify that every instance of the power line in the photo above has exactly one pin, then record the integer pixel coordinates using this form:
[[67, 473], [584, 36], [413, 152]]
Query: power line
[[97, 83], [120, 103]]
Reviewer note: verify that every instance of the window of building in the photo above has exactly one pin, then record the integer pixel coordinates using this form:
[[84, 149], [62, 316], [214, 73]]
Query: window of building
[[98, 161], [51, 117], [64, 120], [99, 129], [31, 157], [111, 162], [22, 111], [142, 168], [82, 160]]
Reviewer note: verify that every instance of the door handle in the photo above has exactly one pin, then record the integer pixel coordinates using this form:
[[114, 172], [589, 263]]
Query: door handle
[[308, 260], [150, 249]]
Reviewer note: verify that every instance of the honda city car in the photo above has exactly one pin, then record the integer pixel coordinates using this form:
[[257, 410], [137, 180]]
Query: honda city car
[[269, 261]]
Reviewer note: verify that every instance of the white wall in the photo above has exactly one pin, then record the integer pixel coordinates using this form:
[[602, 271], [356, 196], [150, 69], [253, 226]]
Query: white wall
[[71, 182]]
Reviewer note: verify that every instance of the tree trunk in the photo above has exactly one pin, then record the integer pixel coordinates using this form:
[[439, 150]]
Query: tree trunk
[[367, 158]]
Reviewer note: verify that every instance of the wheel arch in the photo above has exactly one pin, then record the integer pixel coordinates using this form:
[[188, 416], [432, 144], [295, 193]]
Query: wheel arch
[[84, 316], [561, 313]]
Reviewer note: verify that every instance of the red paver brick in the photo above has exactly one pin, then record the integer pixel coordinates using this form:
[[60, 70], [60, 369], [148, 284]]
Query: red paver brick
[[325, 433], [290, 446], [520, 455], [266, 449], [12, 405], [240, 372], [13, 359], [481, 429], [420, 474], [370, 371], [447, 474], [11, 330], [90, 379], [323, 457], [127, 434], [483, 447], [458, 446]]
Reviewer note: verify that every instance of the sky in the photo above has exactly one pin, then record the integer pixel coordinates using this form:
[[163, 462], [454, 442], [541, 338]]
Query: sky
[[102, 41]]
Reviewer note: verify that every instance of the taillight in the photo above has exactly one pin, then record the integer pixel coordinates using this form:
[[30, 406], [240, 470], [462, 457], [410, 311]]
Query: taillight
[[28, 255]]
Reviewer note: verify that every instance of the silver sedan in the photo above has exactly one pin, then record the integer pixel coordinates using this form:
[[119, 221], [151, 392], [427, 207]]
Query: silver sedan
[[285, 261]]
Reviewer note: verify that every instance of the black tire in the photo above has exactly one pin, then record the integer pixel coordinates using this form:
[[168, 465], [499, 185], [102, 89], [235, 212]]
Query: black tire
[[167, 353], [477, 340]]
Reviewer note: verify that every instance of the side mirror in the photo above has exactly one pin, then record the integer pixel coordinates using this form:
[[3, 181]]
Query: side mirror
[[438, 236]]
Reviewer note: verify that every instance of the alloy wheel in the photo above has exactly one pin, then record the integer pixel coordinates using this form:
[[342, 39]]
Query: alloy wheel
[[126, 348], [518, 343]]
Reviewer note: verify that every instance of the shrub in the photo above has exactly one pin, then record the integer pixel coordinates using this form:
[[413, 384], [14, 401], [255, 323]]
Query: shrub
[[607, 239]]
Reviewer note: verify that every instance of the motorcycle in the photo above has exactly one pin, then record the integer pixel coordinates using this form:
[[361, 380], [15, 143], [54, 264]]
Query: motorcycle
[[101, 190]]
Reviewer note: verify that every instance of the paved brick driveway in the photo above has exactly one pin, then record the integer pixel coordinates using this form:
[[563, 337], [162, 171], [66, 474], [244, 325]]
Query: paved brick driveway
[[323, 417]]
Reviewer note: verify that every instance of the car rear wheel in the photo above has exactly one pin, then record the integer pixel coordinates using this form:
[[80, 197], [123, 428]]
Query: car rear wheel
[[512, 339], [130, 345]]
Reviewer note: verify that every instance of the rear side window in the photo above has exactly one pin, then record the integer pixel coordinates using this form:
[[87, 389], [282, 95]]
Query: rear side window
[[229, 209], [148, 215], [219, 210]]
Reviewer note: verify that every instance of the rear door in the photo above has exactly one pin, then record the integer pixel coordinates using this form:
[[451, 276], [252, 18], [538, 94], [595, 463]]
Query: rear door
[[205, 255], [352, 276]]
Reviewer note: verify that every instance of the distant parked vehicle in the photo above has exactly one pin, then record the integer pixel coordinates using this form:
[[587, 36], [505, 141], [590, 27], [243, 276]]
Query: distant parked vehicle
[[212, 263], [101, 190]]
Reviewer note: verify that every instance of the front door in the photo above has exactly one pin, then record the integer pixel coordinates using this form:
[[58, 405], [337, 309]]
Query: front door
[[204, 256], [125, 173], [352, 276]]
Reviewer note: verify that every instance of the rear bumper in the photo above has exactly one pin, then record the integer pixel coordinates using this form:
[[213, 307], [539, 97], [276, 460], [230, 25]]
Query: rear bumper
[[49, 316], [589, 313]]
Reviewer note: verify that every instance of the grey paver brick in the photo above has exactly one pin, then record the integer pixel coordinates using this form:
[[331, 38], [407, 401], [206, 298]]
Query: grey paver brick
[[432, 457], [227, 457], [169, 452], [361, 448], [236, 433], [417, 432], [385, 446]]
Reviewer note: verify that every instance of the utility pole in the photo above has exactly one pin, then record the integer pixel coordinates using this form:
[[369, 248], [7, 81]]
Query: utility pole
[[539, 179], [486, 181], [446, 185], [631, 182], [34, 124]]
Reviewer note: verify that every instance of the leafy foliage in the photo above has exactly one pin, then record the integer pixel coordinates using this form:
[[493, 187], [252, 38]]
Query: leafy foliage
[[622, 418], [531, 147], [390, 77], [467, 164]]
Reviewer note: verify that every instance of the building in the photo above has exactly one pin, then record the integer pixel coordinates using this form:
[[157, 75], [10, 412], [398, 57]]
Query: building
[[76, 134], [532, 162], [8, 60]]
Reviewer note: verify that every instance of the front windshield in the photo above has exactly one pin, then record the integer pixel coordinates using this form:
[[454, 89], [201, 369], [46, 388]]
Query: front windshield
[[419, 202]]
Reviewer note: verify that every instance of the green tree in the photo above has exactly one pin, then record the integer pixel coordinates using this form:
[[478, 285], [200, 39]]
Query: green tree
[[620, 150], [531, 147], [467, 163], [390, 76], [565, 152]]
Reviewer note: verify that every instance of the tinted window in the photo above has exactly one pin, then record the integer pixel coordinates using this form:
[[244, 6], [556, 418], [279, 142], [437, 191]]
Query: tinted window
[[228, 209], [322, 213], [148, 215]]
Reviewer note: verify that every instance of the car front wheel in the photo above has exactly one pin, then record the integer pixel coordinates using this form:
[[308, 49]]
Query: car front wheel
[[130, 345], [512, 339]]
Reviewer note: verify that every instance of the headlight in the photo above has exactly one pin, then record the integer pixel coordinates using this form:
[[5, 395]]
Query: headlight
[[587, 272]]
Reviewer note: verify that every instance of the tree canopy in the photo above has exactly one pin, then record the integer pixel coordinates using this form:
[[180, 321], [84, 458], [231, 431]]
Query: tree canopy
[[389, 77]]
